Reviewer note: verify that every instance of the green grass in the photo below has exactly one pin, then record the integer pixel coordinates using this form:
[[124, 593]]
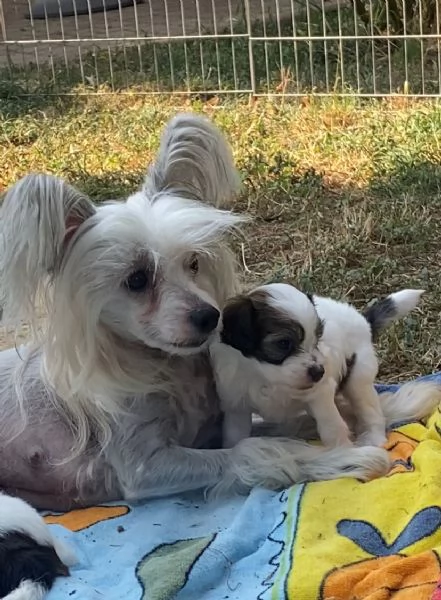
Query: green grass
[[346, 199]]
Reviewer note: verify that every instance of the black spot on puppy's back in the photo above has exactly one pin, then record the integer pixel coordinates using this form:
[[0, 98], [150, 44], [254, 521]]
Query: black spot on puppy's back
[[252, 325], [22, 558]]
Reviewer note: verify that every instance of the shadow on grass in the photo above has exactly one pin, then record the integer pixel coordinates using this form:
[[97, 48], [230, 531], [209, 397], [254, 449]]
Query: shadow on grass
[[414, 178], [116, 185], [326, 237], [342, 242]]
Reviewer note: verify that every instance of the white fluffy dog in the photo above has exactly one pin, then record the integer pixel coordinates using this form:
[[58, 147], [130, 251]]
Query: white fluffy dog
[[117, 397], [281, 351]]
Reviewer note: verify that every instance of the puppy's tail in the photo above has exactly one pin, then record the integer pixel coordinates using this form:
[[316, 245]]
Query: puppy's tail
[[413, 401], [384, 312]]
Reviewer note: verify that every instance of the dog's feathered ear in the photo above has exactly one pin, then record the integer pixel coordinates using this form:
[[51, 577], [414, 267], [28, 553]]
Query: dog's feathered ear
[[195, 160], [39, 216]]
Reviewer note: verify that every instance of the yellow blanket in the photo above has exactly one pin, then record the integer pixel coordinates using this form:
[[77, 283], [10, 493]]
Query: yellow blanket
[[371, 541], [335, 540]]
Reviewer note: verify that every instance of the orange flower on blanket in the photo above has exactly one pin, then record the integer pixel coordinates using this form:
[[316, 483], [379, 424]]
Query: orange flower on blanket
[[76, 520], [397, 577], [400, 448], [384, 541], [389, 576]]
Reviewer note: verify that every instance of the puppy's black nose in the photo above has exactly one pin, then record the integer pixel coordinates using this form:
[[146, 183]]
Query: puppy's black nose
[[205, 319], [316, 372]]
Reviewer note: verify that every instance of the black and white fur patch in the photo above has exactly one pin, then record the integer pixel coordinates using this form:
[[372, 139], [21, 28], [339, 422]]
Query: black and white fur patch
[[22, 558], [383, 312], [258, 330], [30, 557]]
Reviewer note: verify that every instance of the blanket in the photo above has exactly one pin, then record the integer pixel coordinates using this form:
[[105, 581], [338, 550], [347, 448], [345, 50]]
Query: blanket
[[334, 540]]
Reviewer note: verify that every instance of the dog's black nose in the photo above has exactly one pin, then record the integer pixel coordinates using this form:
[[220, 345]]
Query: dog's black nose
[[205, 319], [316, 372]]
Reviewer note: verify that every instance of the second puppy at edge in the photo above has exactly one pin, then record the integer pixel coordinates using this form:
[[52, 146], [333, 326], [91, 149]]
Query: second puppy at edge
[[281, 351]]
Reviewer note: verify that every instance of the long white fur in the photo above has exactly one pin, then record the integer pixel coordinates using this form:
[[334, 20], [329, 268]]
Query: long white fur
[[104, 402], [181, 163], [279, 392], [75, 342], [413, 401]]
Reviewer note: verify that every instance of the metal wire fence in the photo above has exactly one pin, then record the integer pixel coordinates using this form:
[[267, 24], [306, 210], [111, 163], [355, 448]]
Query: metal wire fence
[[207, 47]]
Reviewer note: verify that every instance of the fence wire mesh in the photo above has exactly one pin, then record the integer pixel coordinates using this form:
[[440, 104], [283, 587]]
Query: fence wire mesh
[[207, 47]]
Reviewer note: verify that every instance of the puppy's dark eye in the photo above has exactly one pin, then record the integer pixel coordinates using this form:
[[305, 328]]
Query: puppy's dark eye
[[285, 345], [137, 281], [194, 264]]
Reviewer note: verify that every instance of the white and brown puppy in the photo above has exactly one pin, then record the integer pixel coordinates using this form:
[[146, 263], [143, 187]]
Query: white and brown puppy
[[30, 557], [281, 351]]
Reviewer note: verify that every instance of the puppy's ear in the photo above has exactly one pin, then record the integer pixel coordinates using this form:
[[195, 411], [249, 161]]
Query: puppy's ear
[[239, 325], [195, 160], [39, 216]]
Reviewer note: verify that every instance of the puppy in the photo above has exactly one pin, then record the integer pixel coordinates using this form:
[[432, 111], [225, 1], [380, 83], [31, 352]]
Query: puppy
[[281, 350], [116, 396], [30, 557]]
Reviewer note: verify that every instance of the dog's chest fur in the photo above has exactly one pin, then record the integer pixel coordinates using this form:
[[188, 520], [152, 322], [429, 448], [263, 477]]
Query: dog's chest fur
[[188, 415]]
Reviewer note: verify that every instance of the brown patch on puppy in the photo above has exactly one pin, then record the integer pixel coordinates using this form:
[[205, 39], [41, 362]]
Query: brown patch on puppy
[[259, 330]]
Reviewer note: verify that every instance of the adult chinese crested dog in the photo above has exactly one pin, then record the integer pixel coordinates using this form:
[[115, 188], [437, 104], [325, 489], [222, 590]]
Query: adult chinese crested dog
[[117, 398]]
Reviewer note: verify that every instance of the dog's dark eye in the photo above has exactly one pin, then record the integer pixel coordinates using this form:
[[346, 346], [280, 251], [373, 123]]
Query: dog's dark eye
[[285, 345], [284, 342], [137, 281], [194, 264]]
